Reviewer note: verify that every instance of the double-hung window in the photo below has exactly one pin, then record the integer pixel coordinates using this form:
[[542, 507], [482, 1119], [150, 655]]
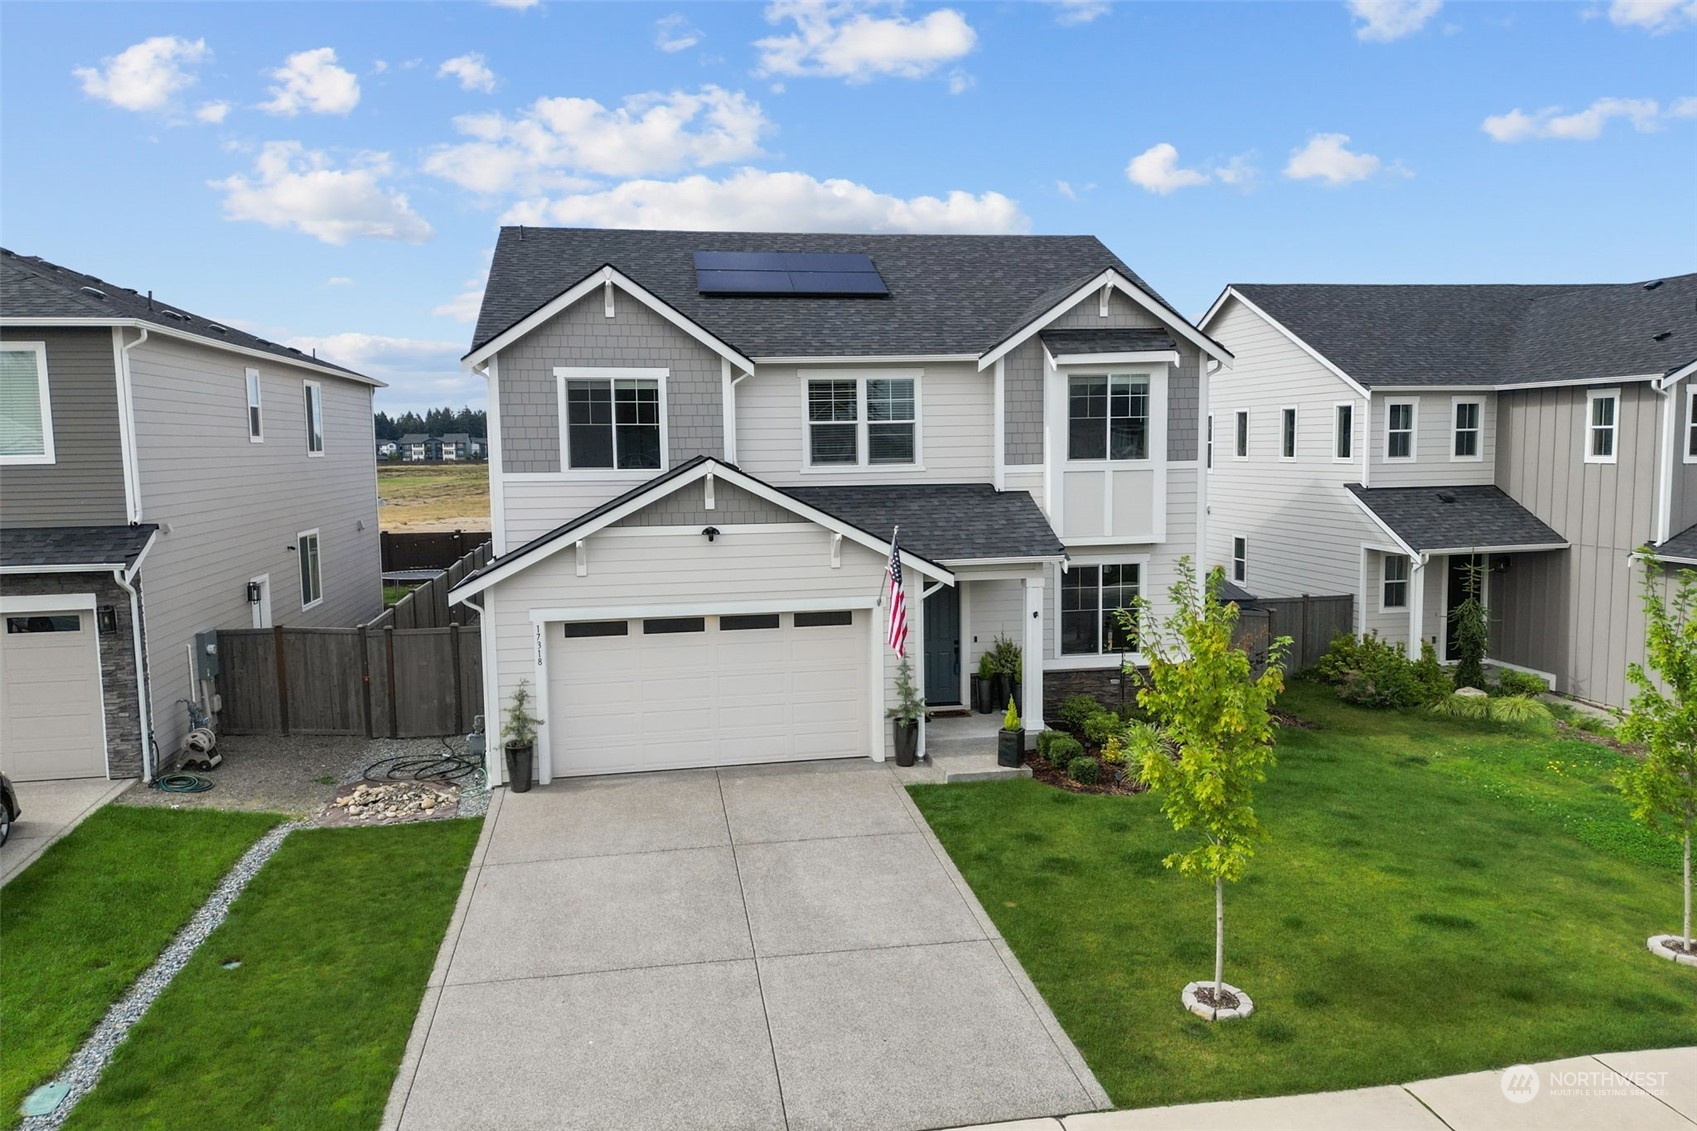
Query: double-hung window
[[1343, 440], [314, 418], [1396, 582], [1399, 430], [1603, 409], [1467, 424], [26, 411], [1210, 463], [1242, 449], [311, 570], [1691, 425], [1240, 559], [613, 423], [1108, 416], [1092, 597], [862, 421], [1287, 434], [255, 425]]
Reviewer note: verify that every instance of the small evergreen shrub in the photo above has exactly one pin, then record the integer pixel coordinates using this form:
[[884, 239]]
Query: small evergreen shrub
[[1511, 682], [1075, 711], [1113, 752], [1045, 740], [1430, 677], [1102, 727], [1084, 770], [1063, 750]]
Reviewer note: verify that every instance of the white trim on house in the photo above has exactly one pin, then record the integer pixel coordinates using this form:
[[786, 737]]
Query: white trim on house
[[317, 562], [1592, 428], [1396, 539], [998, 433], [1232, 292], [1240, 559], [497, 475], [1669, 380], [47, 603], [304, 361], [862, 420], [1406, 581], [1339, 432], [254, 388], [599, 278], [1689, 454], [870, 359], [312, 393], [44, 401], [1109, 278], [1290, 432], [1478, 429], [1087, 661], [1240, 434], [1451, 551], [610, 374], [127, 424], [261, 609], [1134, 357]]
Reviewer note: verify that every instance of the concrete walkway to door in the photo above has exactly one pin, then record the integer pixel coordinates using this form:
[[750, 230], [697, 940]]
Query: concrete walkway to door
[[782, 947]]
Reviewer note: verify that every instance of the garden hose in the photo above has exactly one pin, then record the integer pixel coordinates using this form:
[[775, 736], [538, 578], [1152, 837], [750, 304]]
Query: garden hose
[[451, 766], [182, 783]]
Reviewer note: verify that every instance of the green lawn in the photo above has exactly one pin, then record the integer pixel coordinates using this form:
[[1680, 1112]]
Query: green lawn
[[336, 937], [79, 925], [1432, 898]]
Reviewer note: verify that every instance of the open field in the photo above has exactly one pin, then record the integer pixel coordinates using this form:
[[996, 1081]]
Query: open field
[[433, 496]]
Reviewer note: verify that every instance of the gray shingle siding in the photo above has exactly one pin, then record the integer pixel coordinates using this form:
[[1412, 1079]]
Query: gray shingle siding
[[582, 335], [1182, 404], [732, 506], [1022, 393], [85, 483]]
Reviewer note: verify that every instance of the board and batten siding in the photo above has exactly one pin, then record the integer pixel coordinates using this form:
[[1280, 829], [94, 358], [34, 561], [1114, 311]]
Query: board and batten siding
[[1434, 439], [1682, 513], [1303, 529], [1576, 612], [582, 335], [229, 509], [84, 485]]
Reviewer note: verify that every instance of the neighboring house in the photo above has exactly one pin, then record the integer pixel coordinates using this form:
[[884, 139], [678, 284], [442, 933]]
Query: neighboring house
[[1382, 440], [701, 445], [388, 449], [456, 446], [417, 447], [161, 476]]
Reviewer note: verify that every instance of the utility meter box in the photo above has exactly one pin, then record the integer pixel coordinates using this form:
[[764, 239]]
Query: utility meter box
[[206, 654]]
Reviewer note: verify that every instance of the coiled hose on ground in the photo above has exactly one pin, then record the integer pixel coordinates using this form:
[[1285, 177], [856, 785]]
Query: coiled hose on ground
[[451, 766], [182, 783]]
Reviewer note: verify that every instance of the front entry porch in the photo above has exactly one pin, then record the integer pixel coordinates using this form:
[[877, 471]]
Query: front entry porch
[[962, 623]]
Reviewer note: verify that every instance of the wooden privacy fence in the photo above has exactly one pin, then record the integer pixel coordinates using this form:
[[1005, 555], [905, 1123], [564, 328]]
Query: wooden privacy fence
[[1310, 622], [427, 606], [428, 549], [400, 683]]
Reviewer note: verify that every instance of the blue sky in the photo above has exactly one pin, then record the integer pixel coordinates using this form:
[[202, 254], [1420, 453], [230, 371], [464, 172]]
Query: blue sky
[[333, 175]]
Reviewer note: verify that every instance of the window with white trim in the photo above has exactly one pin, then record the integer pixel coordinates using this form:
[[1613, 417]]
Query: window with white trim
[[1691, 425], [314, 418], [1210, 440], [1343, 426], [255, 425], [1467, 427], [1092, 597], [1242, 449], [311, 568], [1399, 430], [862, 421], [26, 409], [613, 423], [1107, 416], [1602, 412], [1287, 433], [1240, 559], [1395, 595]]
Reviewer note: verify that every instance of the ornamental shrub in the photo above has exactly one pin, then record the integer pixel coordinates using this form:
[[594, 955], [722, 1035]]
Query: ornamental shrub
[[1084, 770], [1063, 750], [1113, 753], [1102, 727], [1075, 711], [1512, 682], [1430, 677]]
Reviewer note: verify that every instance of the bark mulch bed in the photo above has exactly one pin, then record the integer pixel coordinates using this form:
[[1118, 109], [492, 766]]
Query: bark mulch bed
[[1205, 995], [1286, 719], [1116, 780]]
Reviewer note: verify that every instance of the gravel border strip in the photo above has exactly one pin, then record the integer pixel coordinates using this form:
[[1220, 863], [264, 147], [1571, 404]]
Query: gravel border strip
[[83, 1071]]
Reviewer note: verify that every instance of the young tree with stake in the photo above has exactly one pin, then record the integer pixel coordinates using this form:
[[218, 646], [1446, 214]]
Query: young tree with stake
[[1212, 735], [1662, 718]]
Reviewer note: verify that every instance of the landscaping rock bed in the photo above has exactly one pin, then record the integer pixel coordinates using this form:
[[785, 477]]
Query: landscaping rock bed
[[391, 803], [1673, 948], [1198, 997]]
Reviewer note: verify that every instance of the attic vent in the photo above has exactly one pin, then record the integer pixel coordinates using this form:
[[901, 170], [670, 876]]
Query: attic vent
[[213, 326], [177, 314], [1445, 497], [1653, 284], [1663, 336], [95, 291]]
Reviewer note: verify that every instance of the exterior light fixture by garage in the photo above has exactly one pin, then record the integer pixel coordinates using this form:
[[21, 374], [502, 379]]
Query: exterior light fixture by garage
[[712, 532], [106, 616], [254, 593]]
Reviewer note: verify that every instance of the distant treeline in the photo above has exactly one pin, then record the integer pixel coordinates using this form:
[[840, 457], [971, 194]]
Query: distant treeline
[[436, 422]]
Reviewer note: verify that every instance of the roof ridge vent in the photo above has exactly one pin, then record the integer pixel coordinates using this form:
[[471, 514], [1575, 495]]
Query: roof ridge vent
[[217, 328], [95, 291], [1445, 497], [177, 314], [1653, 284], [1663, 336]]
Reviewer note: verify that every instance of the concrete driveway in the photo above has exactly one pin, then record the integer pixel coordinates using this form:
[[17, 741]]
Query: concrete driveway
[[782, 947], [50, 809]]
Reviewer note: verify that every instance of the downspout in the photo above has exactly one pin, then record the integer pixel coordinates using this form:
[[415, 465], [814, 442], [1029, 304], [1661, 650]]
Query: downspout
[[1664, 466], [124, 577], [126, 413]]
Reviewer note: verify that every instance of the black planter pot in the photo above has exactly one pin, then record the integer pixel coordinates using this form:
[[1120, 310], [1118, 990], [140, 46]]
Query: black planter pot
[[983, 694], [907, 743], [1010, 747], [1000, 688], [519, 761]]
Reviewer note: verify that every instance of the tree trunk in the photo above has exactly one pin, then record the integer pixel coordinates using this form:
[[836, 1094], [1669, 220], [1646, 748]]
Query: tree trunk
[[1688, 891], [1220, 933]]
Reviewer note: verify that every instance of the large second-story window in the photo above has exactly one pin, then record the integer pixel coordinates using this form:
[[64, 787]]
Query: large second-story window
[[1108, 417], [1399, 430], [1600, 435], [613, 423], [1092, 598], [862, 421], [26, 414], [1466, 444]]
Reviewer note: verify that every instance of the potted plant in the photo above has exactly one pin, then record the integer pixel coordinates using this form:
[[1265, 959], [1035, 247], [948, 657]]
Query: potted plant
[[907, 712], [984, 684], [520, 736], [1007, 664], [1010, 740]]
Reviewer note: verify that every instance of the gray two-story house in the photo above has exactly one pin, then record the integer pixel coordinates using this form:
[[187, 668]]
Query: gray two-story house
[[162, 476], [702, 446], [1394, 442]]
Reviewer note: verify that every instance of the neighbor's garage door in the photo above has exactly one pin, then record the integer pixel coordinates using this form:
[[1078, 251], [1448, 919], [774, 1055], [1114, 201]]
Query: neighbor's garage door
[[51, 719], [707, 691]]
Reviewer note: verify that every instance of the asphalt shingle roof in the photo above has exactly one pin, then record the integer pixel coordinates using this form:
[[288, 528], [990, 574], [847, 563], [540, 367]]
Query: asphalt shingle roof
[[1063, 343], [1488, 334], [1682, 547], [948, 294], [31, 287], [94, 546], [1456, 518], [944, 522]]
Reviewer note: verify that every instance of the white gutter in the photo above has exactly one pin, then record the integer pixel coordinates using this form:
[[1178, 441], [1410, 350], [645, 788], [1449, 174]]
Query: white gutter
[[1664, 465], [305, 361], [127, 428], [124, 577]]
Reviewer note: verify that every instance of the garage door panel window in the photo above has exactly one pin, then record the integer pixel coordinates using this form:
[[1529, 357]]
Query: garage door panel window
[[1092, 598], [655, 626], [64, 622], [579, 630], [613, 424], [26, 412], [825, 619], [749, 623]]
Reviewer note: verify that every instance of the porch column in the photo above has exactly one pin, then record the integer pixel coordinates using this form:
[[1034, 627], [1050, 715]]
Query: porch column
[[1032, 686], [1416, 605]]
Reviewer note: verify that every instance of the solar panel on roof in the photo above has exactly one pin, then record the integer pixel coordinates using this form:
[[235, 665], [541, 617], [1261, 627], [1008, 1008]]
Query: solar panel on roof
[[773, 273]]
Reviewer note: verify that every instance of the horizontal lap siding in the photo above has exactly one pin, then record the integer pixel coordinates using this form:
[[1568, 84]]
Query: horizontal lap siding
[[1434, 440], [995, 608], [1304, 530], [1391, 624], [535, 507], [85, 483], [233, 508]]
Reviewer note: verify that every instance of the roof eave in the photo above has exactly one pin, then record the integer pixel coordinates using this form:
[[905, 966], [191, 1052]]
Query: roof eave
[[20, 321]]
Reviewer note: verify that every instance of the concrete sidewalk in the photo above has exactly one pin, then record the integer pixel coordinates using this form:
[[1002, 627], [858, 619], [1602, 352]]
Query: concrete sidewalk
[[50, 809], [1628, 1091]]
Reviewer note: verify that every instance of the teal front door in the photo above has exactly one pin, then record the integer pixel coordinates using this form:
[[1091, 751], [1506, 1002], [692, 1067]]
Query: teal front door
[[942, 646]]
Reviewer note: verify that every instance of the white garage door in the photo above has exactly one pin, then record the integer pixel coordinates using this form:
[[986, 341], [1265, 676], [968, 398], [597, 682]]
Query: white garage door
[[707, 691], [51, 719]]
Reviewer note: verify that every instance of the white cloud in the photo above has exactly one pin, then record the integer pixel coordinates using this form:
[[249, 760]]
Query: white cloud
[[1327, 158], [311, 80], [674, 33], [1239, 172], [1381, 21], [1645, 114], [544, 145], [338, 281], [1065, 189], [1654, 16], [294, 187], [516, 5], [845, 39], [145, 75], [471, 70], [1072, 13], [756, 200], [960, 81], [1157, 169], [421, 373], [212, 112]]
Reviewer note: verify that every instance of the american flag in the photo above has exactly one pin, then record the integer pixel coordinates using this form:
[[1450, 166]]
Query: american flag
[[898, 599]]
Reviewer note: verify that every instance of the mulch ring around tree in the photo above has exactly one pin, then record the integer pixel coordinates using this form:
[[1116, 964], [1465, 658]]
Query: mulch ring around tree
[[1286, 719], [1568, 730], [1116, 780], [1205, 995], [390, 803]]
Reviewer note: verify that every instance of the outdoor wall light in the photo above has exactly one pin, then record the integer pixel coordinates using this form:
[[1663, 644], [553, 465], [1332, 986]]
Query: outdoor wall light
[[712, 532], [107, 618], [254, 593]]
